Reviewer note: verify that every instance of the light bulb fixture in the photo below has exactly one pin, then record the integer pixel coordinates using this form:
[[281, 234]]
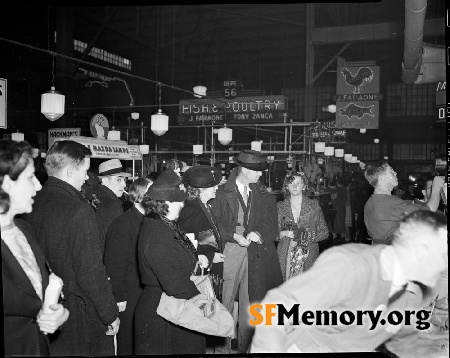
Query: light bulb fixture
[[319, 147], [354, 159], [348, 157], [256, 144], [52, 102], [18, 137], [160, 121], [339, 153], [34, 152], [376, 140], [320, 161], [329, 151], [43, 155], [362, 130], [199, 91], [362, 165], [197, 149], [386, 157], [225, 135], [330, 108], [144, 148], [134, 115], [113, 134]]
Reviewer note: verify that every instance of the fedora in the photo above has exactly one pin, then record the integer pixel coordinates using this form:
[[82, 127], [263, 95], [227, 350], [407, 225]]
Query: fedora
[[112, 167], [202, 176], [251, 159], [167, 187]]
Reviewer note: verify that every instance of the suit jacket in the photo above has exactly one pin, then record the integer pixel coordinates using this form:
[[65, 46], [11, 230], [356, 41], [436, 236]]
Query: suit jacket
[[21, 304], [264, 270], [68, 233]]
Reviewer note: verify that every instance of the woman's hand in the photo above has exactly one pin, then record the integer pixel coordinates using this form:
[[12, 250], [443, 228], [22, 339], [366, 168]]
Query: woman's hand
[[122, 306], [203, 260], [287, 233], [50, 322], [218, 257]]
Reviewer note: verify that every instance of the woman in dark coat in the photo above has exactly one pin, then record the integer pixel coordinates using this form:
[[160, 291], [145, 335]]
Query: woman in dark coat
[[25, 275], [167, 259], [121, 263], [196, 217]]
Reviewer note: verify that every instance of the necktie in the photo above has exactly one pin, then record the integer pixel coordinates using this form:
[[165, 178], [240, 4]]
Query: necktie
[[245, 196]]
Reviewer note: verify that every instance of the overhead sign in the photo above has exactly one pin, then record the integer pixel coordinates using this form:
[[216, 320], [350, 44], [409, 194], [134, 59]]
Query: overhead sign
[[357, 97], [327, 131], [3, 91], [61, 133], [103, 148], [231, 89], [255, 109]]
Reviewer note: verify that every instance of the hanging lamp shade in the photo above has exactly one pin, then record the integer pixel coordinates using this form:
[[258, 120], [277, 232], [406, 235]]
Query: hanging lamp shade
[[225, 135], [354, 159], [18, 137], [319, 147], [376, 140], [362, 130], [348, 157], [256, 145], [329, 151], [199, 91], [134, 115], [144, 148], [113, 134], [43, 155], [159, 123], [197, 149], [34, 152], [339, 153], [52, 104], [362, 165], [320, 161]]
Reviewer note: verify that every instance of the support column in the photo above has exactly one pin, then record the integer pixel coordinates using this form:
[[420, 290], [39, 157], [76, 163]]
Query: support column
[[307, 117]]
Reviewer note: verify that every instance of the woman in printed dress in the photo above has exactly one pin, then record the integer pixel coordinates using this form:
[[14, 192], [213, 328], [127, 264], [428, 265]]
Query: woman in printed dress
[[301, 224]]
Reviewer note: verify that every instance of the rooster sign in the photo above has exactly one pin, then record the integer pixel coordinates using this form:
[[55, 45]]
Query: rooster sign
[[364, 74]]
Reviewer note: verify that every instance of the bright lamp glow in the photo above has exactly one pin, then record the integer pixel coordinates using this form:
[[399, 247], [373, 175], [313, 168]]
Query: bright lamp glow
[[256, 145], [339, 153], [114, 135], [330, 108], [144, 148], [362, 130], [376, 140], [159, 123], [319, 147], [197, 149], [329, 151], [200, 91], [348, 157], [320, 161], [18, 137], [52, 104], [354, 159], [225, 135]]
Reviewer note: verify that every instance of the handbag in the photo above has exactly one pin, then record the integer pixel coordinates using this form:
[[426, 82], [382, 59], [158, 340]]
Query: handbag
[[202, 313], [207, 238]]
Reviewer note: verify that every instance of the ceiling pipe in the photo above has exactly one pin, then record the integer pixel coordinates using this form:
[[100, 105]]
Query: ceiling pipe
[[415, 11]]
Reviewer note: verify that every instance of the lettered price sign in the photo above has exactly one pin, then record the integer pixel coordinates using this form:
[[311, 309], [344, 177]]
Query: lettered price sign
[[231, 89]]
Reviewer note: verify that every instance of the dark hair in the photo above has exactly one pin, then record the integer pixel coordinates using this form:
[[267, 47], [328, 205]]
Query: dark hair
[[154, 205], [289, 178], [63, 153], [373, 172], [138, 188], [14, 158], [192, 192]]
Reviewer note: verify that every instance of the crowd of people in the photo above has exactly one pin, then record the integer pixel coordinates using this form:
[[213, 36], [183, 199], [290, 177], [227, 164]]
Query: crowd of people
[[118, 246]]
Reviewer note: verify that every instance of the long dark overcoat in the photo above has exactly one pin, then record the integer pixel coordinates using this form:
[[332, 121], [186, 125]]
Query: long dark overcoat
[[21, 304], [165, 265], [121, 262], [193, 219], [109, 208], [67, 231], [264, 272]]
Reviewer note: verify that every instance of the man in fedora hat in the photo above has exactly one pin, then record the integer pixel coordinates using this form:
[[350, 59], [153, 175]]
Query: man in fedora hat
[[112, 184], [247, 220]]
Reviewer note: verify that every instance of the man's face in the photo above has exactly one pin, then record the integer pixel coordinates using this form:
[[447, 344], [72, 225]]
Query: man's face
[[115, 183], [79, 176], [390, 176], [252, 176]]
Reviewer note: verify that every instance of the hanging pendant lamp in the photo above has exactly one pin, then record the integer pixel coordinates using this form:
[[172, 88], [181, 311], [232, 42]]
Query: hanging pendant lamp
[[348, 157], [256, 144], [225, 135], [18, 137], [52, 102], [329, 151], [159, 121], [197, 149], [199, 91], [339, 153], [319, 147], [113, 134]]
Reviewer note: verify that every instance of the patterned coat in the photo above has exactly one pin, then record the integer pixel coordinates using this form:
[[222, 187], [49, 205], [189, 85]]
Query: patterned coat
[[311, 216]]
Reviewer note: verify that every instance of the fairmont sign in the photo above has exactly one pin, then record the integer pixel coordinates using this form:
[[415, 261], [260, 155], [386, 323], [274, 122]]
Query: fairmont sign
[[255, 109]]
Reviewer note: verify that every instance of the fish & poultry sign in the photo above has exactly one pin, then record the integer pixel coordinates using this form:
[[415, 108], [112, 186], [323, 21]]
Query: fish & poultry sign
[[357, 96]]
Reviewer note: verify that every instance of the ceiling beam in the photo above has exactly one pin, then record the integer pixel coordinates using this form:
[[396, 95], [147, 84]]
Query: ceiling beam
[[370, 32]]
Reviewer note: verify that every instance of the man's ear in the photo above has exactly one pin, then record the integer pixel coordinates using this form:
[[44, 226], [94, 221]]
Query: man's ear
[[69, 171], [6, 184], [104, 180]]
